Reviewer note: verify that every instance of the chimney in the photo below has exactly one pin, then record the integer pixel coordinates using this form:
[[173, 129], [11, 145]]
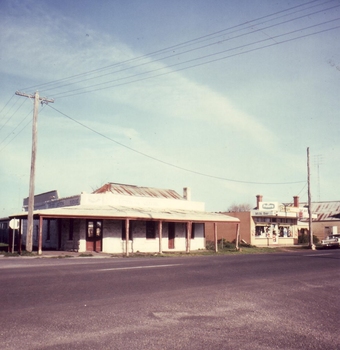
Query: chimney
[[296, 201], [258, 200], [187, 193]]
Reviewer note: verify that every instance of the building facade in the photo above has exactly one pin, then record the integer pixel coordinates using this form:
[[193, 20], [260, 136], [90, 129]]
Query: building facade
[[268, 224], [119, 218], [325, 221]]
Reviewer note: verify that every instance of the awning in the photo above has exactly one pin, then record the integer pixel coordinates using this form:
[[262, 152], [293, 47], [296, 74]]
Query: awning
[[113, 212]]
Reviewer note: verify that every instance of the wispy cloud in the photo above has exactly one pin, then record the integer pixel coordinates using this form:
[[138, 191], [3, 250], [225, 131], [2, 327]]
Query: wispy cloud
[[54, 47]]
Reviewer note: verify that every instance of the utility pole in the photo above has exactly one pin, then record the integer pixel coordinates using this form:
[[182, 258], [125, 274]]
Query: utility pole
[[311, 244], [37, 99]]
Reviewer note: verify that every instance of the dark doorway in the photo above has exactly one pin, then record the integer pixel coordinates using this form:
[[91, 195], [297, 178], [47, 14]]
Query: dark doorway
[[171, 235]]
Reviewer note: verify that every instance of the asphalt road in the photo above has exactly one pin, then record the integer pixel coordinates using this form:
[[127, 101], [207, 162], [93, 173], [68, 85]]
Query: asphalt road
[[274, 301]]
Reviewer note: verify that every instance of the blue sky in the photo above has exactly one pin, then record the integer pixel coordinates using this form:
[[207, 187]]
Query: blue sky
[[223, 97]]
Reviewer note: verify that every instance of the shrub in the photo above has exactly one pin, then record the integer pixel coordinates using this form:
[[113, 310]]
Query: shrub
[[305, 239], [221, 244], [210, 245]]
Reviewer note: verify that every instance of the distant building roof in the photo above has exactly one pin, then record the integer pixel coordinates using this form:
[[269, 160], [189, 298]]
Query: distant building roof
[[325, 211], [131, 190]]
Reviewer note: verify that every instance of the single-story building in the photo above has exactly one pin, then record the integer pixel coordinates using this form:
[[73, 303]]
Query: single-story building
[[325, 220], [268, 224], [119, 218]]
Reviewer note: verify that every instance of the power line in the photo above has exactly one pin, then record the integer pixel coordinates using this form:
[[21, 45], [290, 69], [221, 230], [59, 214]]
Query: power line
[[302, 188], [6, 105], [17, 134], [69, 93], [170, 164], [187, 51], [9, 118], [12, 129], [187, 43]]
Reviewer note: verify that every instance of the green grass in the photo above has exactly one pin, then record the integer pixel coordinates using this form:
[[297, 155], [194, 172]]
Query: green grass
[[244, 249], [85, 255], [15, 254], [226, 248]]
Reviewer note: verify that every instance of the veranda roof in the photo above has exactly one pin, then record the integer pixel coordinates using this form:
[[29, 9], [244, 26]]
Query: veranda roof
[[114, 212]]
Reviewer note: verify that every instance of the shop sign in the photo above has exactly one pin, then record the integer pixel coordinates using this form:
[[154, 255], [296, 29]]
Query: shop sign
[[263, 213], [65, 202], [268, 206]]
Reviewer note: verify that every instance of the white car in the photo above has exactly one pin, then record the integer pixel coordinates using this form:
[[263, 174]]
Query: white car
[[331, 241]]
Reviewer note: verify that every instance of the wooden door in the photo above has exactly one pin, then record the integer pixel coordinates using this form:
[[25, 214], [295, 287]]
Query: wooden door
[[171, 235], [94, 235]]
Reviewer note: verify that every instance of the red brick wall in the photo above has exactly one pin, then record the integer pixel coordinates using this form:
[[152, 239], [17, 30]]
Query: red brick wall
[[228, 230]]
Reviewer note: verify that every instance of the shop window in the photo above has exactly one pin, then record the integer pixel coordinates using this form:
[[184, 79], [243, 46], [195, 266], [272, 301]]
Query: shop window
[[94, 228], [259, 231], [285, 231], [150, 230], [90, 229], [261, 219], [262, 231]]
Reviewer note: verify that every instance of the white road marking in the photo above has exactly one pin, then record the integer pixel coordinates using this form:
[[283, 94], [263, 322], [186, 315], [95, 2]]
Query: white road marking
[[318, 254], [138, 267]]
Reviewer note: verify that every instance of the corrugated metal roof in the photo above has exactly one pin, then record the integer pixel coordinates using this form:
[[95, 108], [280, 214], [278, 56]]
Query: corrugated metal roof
[[325, 210], [113, 212], [131, 190]]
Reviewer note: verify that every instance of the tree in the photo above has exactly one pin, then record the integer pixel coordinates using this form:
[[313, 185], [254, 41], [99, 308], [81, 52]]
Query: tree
[[239, 207]]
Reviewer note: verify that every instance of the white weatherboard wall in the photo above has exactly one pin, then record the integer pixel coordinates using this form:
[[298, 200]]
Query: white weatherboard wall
[[102, 199], [140, 243], [199, 241], [113, 243], [112, 237], [82, 240]]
